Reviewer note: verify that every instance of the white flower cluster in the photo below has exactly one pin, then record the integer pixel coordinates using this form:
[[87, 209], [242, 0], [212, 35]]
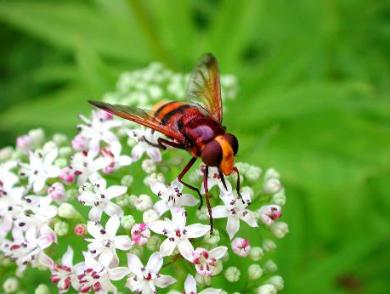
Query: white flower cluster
[[89, 184]]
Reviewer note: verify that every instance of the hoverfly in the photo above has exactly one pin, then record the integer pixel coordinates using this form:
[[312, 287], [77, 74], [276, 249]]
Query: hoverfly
[[195, 125]]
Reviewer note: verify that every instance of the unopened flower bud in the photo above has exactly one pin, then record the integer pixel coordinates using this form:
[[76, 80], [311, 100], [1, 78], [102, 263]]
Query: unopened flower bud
[[71, 194], [232, 274], [253, 173], [61, 162], [256, 253], [6, 153], [213, 238], [279, 198], [272, 186], [269, 245], [269, 213], [266, 289], [61, 228], [24, 143], [67, 175], [127, 222], [57, 192], [279, 229], [241, 246], [143, 202], [270, 266], [255, 271], [150, 216], [67, 210], [10, 285], [59, 139], [202, 280], [80, 143], [153, 243], [277, 281], [127, 180], [37, 136], [80, 230], [65, 151], [42, 289], [202, 214], [149, 166], [271, 173]]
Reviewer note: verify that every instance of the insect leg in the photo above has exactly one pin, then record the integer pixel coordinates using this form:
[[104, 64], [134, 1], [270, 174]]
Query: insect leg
[[222, 178], [163, 143], [181, 175], [206, 189], [238, 186]]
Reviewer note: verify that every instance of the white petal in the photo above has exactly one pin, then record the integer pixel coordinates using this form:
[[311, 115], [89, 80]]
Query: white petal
[[190, 285], [167, 247], [122, 242], [155, 263], [94, 230], [158, 188], [187, 200], [211, 291], [186, 249], [125, 160], [218, 252], [232, 226], [113, 209], [46, 261], [164, 281], [112, 225], [118, 273], [250, 219], [95, 214], [39, 184], [158, 226], [178, 217], [219, 211], [134, 264], [101, 162], [115, 191], [196, 230], [137, 152], [67, 258], [106, 257], [161, 207], [154, 153]]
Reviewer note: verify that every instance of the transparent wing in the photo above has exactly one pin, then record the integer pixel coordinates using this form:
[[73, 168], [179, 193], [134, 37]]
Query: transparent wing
[[204, 86], [139, 116]]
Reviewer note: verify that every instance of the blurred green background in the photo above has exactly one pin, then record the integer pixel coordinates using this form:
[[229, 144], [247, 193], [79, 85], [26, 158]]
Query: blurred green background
[[314, 103]]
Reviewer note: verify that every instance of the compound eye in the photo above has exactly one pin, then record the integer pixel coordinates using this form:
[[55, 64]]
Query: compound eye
[[233, 142], [212, 154]]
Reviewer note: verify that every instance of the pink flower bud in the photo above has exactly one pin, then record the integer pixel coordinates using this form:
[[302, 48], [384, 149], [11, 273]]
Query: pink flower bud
[[24, 143], [57, 192], [104, 115], [140, 234], [67, 175], [80, 230], [80, 143], [241, 246]]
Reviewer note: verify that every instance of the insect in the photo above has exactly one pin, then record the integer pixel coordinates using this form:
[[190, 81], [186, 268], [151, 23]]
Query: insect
[[194, 125]]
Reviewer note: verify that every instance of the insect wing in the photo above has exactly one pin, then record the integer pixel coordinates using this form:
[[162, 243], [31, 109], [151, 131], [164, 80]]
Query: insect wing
[[139, 116], [204, 86]]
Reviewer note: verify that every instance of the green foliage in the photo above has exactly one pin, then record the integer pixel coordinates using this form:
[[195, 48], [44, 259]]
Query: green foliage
[[314, 103]]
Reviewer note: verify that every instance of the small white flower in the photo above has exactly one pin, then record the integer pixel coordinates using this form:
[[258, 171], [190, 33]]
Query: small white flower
[[234, 210], [145, 279], [86, 165], [178, 233], [171, 196], [142, 137], [116, 159], [40, 167], [98, 129], [105, 241], [206, 261], [190, 288], [269, 213], [100, 198], [241, 247]]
